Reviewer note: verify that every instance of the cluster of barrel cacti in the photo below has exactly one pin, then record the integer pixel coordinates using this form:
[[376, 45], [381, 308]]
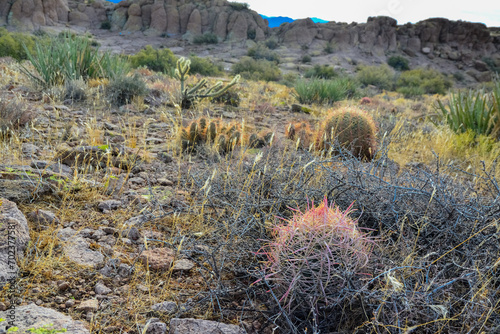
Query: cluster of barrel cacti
[[348, 128], [225, 136]]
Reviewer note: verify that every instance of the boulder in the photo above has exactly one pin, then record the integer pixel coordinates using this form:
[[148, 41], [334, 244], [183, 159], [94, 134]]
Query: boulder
[[134, 21], [14, 238], [33, 316], [194, 23], [195, 326]]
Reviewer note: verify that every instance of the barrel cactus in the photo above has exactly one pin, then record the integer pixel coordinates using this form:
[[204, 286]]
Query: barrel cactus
[[315, 257], [301, 133], [351, 128]]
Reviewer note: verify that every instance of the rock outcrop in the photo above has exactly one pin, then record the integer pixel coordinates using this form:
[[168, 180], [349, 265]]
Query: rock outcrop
[[437, 37], [32, 316], [14, 238]]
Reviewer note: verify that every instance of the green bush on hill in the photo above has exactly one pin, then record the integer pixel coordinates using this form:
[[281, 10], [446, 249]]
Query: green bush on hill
[[261, 69], [260, 51], [162, 60], [204, 66], [11, 44], [321, 72], [381, 76], [422, 81], [325, 91]]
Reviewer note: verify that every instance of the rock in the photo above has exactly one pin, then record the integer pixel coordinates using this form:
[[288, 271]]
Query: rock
[[124, 270], [481, 66], [30, 149], [101, 289], [90, 305], [79, 251], [426, 50], [14, 238], [33, 316], [195, 326], [158, 258], [134, 21], [194, 23], [21, 190], [109, 205], [165, 307], [132, 233], [165, 157], [156, 327], [63, 286], [183, 264], [43, 217]]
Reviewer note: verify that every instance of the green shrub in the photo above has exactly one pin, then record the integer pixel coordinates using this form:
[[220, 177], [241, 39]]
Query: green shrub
[[422, 81], [289, 79], [381, 76], [251, 34], [204, 66], [121, 90], [494, 66], [321, 71], [252, 69], [11, 44], [330, 47], [70, 57], [206, 38], [399, 63], [271, 43], [106, 24], [473, 110], [260, 51], [306, 59], [238, 5], [325, 91], [162, 60]]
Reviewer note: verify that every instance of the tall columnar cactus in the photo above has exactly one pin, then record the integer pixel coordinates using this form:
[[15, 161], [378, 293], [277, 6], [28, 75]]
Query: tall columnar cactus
[[352, 129], [316, 256], [200, 89]]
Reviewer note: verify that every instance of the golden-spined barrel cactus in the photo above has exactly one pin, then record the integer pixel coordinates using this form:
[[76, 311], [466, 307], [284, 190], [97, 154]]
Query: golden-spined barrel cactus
[[352, 129]]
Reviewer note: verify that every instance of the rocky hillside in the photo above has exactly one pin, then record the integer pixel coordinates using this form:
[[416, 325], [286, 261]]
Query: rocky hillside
[[172, 17]]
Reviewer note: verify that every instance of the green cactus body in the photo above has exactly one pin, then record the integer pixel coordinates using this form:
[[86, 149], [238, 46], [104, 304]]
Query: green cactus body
[[290, 131], [234, 139], [211, 132], [222, 143], [352, 129], [194, 133]]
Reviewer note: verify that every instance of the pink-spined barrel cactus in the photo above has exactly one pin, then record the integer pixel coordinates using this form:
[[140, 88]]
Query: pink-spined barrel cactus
[[315, 257]]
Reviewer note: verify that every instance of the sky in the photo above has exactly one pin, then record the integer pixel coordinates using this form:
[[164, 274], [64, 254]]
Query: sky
[[484, 11]]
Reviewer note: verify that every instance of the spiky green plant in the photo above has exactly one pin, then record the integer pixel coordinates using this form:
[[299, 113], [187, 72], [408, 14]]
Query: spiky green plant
[[473, 110], [316, 257], [352, 129], [200, 89]]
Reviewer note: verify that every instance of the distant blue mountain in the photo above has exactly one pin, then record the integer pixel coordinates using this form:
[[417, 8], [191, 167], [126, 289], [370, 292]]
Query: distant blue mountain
[[276, 21]]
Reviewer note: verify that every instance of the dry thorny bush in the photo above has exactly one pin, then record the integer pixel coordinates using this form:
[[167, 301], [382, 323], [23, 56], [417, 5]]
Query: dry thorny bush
[[434, 268]]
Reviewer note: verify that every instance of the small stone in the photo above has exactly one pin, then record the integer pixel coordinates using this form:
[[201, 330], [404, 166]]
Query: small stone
[[142, 288], [124, 270], [90, 305], [43, 217], [110, 230], [63, 286], [66, 233], [426, 50], [101, 289], [59, 299], [156, 328], [165, 182], [3, 307], [30, 149], [158, 258], [70, 303], [183, 264], [111, 329], [165, 157], [132, 234], [166, 307], [35, 290], [109, 205]]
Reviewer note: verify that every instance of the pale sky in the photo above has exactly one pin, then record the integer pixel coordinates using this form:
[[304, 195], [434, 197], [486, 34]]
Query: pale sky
[[484, 11]]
